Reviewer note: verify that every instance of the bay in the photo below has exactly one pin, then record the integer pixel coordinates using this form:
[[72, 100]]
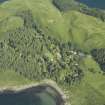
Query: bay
[[31, 96], [94, 3]]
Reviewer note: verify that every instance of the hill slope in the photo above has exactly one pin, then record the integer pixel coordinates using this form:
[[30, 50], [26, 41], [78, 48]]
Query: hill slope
[[86, 31], [39, 41], [49, 18]]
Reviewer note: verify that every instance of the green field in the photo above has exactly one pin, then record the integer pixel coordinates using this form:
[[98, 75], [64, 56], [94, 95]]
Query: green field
[[10, 78]]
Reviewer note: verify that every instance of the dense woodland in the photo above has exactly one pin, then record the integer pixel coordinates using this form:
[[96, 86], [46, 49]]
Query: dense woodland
[[31, 53]]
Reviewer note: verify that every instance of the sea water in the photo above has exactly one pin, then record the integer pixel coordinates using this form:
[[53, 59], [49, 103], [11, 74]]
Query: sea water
[[94, 3]]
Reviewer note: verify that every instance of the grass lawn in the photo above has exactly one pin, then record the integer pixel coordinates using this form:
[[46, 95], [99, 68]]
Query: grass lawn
[[11, 78]]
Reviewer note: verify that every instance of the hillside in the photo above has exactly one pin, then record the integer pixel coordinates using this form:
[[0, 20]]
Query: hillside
[[48, 18], [49, 39], [86, 31]]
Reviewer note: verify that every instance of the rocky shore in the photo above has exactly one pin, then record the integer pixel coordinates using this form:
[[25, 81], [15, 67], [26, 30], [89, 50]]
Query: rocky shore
[[48, 86]]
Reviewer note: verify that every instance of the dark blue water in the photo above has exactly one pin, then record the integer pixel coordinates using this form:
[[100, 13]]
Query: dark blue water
[[31, 96], [1, 1], [94, 3]]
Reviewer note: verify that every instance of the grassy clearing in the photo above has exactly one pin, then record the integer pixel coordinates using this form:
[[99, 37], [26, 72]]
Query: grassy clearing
[[93, 75], [11, 78], [86, 94], [11, 23]]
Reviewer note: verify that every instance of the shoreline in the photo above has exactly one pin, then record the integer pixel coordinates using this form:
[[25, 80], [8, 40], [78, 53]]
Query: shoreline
[[45, 83]]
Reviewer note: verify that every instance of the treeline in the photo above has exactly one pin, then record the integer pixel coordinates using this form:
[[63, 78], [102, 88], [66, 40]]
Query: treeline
[[33, 54], [65, 5], [99, 56]]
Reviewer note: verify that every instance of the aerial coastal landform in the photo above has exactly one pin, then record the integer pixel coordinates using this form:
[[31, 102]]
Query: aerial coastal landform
[[52, 52]]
